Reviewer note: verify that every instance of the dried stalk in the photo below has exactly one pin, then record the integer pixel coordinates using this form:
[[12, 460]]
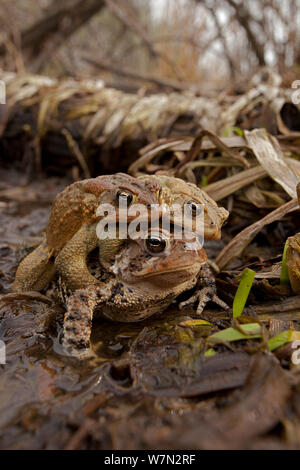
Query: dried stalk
[[235, 248]]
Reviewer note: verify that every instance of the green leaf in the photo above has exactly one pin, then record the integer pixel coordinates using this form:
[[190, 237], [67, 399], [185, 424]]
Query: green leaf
[[238, 131], [250, 331], [242, 292], [197, 322], [210, 353], [283, 338], [204, 181], [230, 130], [284, 274]]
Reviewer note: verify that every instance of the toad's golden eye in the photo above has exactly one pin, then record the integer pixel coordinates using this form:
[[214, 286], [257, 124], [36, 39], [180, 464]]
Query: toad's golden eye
[[194, 207], [155, 244], [124, 197]]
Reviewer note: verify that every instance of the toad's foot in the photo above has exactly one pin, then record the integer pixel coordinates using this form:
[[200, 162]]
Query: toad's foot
[[82, 355], [203, 296], [206, 292]]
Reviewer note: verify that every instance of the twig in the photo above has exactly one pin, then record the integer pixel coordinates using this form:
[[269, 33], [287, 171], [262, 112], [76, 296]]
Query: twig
[[197, 146], [128, 18], [223, 40], [81, 433], [244, 238], [244, 19], [230, 185], [77, 152], [53, 23], [162, 82]]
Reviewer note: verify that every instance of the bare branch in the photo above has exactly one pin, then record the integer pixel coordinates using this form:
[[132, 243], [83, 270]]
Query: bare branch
[[161, 82], [56, 26], [126, 16], [244, 19]]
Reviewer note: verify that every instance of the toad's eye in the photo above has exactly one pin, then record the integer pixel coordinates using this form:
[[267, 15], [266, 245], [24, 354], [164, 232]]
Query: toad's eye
[[155, 244], [194, 207], [124, 197]]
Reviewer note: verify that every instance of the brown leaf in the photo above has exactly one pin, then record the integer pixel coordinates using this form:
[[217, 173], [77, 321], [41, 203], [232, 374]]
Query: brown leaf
[[230, 185], [240, 241], [267, 151]]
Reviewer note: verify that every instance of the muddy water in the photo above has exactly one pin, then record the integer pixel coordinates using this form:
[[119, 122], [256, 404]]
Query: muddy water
[[150, 387]]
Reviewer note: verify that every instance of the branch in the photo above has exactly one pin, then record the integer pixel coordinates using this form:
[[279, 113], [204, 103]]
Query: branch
[[125, 14], [243, 17], [162, 82], [60, 23], [223, 40]]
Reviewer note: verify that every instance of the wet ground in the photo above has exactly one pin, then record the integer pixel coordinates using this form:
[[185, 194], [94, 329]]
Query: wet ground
[[151, 387]]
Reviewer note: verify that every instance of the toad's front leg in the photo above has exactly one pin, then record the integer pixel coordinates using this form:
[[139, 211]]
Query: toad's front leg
[[206, 291], [71, 262], [78, 321], [35, 271]]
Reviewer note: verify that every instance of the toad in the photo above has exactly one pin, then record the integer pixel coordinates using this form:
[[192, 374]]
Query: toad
[[71, 232], [147, 274], [177, 191], [72, 225]]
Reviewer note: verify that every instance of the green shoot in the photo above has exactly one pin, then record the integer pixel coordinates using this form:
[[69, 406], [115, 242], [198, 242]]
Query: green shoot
[[283, 338], [250, 331], [242, 292], [284, 275]]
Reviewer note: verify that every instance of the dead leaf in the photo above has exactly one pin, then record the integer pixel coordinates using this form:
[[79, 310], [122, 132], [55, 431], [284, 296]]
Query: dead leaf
[[267, 151], [237, 245]]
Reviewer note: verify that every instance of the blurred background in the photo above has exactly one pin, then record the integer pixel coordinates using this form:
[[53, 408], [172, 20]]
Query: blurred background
[[210, 44]]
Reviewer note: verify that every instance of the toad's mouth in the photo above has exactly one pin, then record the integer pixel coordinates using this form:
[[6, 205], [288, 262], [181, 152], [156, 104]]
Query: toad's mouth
[[146, 273]]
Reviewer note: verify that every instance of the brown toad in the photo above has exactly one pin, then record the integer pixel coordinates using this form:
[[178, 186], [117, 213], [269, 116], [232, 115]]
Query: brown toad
[[71, 232], [177, 191], [147, 274]]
